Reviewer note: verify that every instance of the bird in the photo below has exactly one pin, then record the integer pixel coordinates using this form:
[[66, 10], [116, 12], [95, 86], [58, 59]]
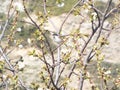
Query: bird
[[57, 38]]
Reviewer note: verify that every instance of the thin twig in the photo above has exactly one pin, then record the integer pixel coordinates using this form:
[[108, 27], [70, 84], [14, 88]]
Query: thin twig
[[68, 16], [11, 67]]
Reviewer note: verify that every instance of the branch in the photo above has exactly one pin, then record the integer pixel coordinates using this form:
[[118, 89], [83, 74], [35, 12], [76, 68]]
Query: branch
[[80, 1], [7, 21], [12, 68], [39, 30], [89, 54], [108, 14], [97, 10]]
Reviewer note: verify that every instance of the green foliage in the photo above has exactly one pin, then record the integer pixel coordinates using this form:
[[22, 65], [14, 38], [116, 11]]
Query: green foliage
[[2, 64]]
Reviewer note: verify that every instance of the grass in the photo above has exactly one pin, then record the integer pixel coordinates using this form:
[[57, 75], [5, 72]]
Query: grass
[[37, 6]]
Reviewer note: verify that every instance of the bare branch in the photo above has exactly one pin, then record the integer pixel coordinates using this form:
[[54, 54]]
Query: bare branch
[[68, 15], [11, 67]]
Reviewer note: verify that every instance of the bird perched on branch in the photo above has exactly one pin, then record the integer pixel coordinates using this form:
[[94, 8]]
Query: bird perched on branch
[[57, 38]]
